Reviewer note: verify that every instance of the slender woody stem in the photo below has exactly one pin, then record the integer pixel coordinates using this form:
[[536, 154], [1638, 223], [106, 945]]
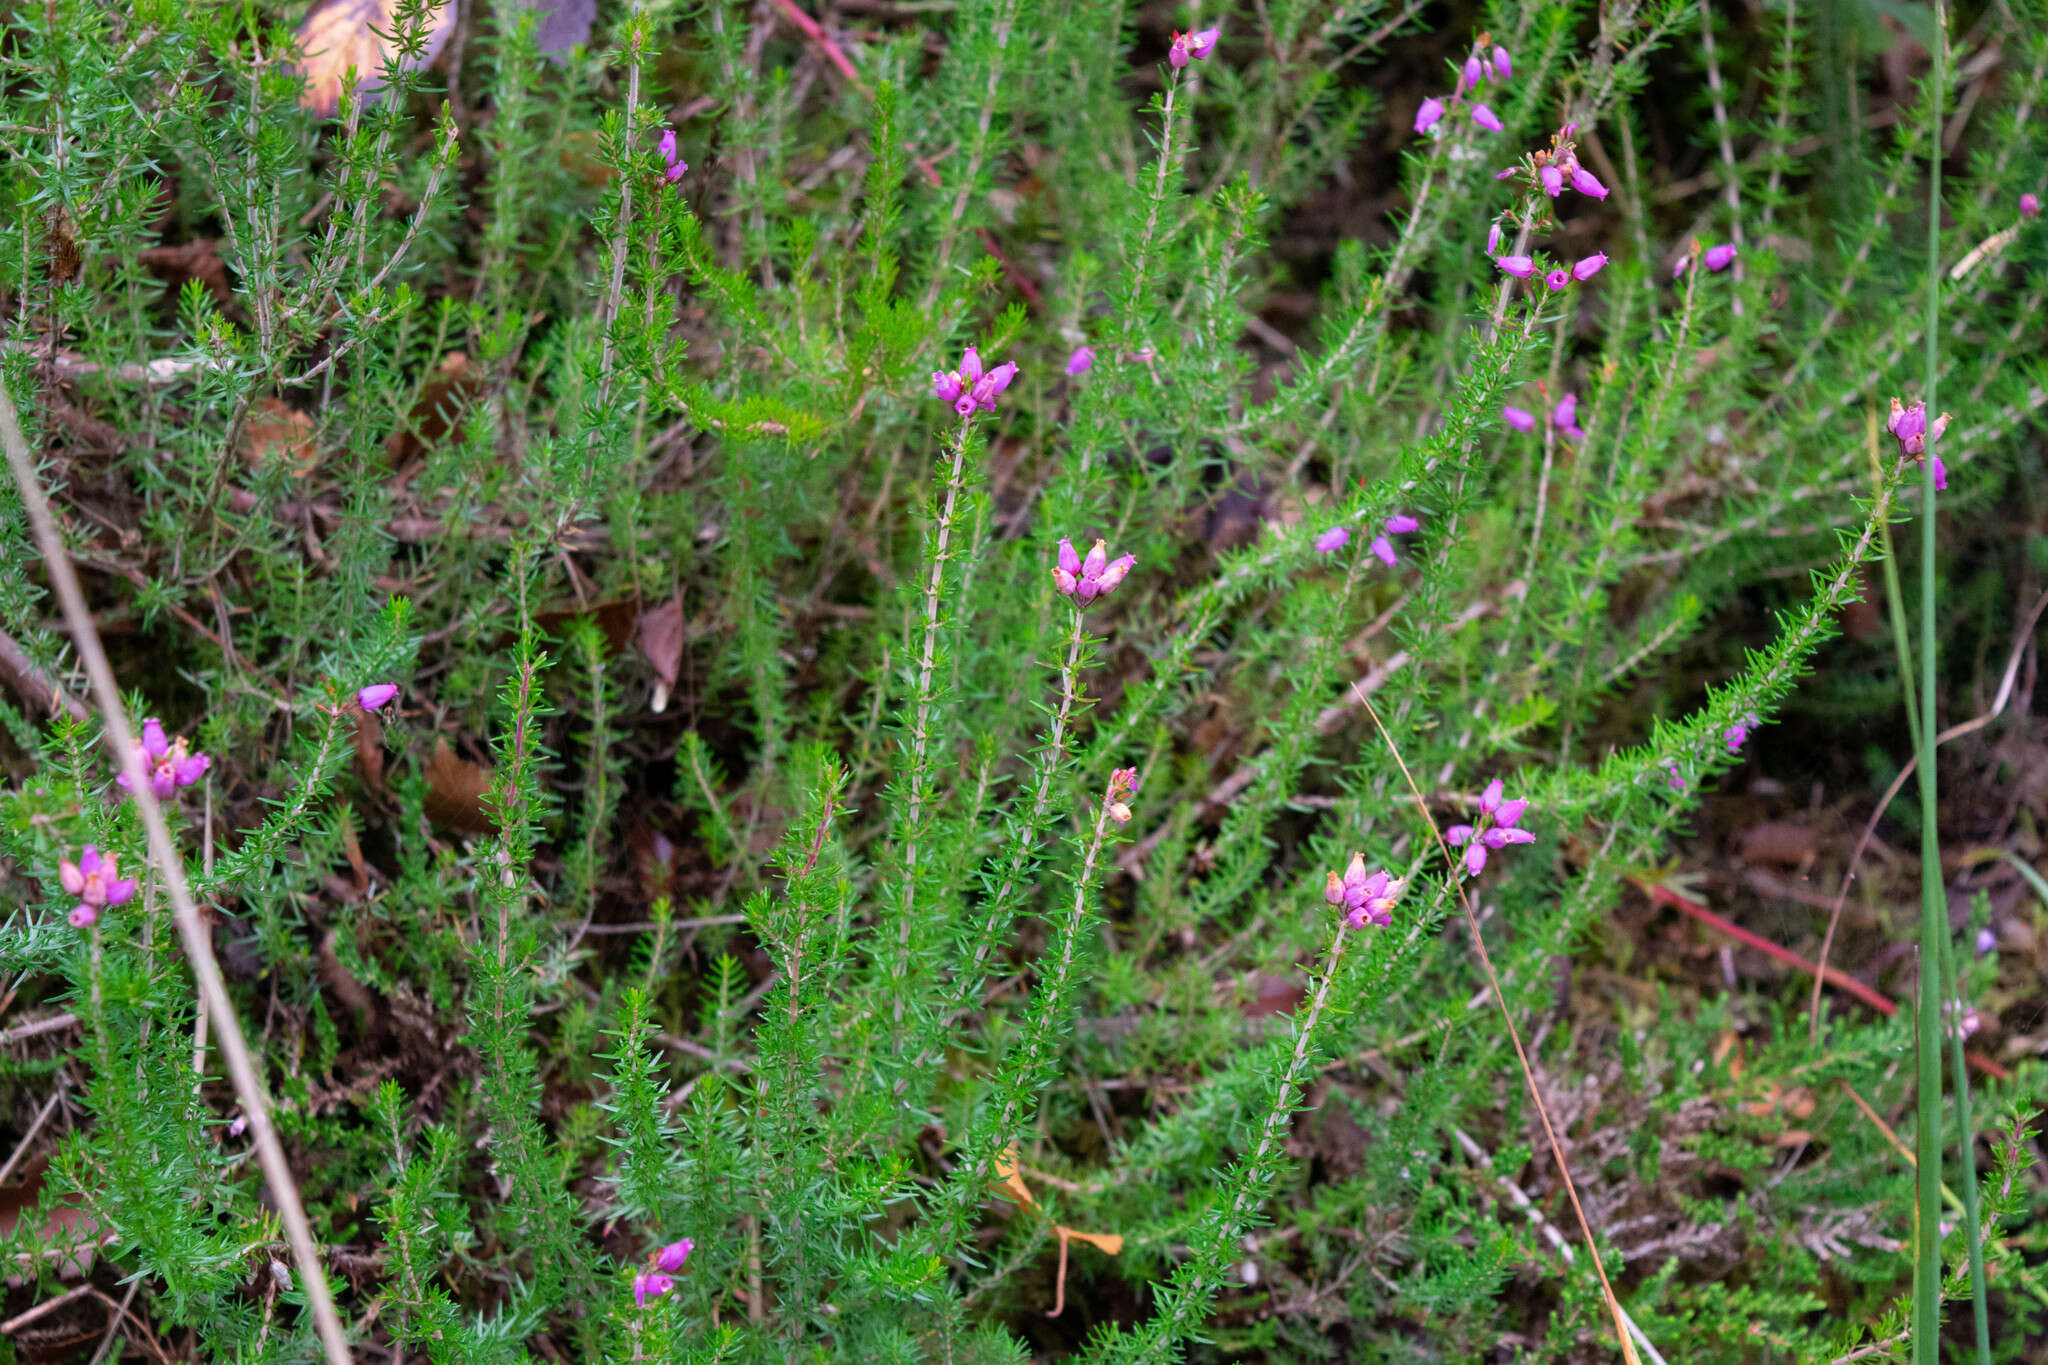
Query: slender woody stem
[[919, 785], [192, 930], [999, 912]]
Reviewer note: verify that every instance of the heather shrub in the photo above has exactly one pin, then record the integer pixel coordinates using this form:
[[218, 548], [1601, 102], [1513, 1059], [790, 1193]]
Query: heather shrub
[[897, 682]]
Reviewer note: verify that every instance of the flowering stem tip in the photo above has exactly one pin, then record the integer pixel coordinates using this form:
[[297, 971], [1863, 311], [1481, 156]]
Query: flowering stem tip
[[1497, 828], [971, 387], [1083, 580], [1366, 898], [169, 763], [97, 883]]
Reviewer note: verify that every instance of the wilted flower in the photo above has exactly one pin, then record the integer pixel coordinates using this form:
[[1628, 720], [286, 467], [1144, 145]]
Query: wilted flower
[[1333, 540], [376, 695], [1123, 784], [1367, 899], [1521, 267], [1396, 525], [670, 1259], [1084, 580], [1553, 180], [1589, 266], [674, 166], [97, 883], [1720, 257], [970, 387], [1558, 279], [1497, 828], [1081, 361], [650, 1284], [1427, 115], [1486, 118], [169, 764], [2030, 205], [1521, 419], [1586, 183], [1195, 46]]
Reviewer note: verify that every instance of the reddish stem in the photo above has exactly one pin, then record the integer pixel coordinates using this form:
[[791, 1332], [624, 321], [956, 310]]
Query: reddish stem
[[811, 30], [1664, 895]]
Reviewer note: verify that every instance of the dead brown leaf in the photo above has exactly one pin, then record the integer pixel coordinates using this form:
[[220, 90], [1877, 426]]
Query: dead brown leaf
[[615, 620], [370, 749], [340, 34], [456, 789], [198, 259], [437, 408], [279, 435], [661, 640], [1777, 843]]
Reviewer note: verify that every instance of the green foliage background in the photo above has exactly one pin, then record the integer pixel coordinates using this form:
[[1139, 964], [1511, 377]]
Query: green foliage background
[[544, 975]]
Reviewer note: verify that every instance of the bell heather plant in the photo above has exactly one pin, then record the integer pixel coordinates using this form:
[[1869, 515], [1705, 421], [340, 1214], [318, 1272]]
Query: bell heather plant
[[779, 652]]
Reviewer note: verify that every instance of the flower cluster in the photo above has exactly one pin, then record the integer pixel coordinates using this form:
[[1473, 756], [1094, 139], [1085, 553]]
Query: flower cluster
[[667, 1262], [1915, 433], [674, 168], [97, 883], [971, 387], [1367, 899], [1485, 62], [1548, 171], [1337, 537], [1084, 580], [1583, 269], [169, 763], [1497, 828], [1564, 415], [1551, 168], [1187, 47], [1738, 734], [1123, 785]]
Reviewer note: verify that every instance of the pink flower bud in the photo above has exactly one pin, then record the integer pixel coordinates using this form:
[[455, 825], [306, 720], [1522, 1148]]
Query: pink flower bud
[[1502, 67], [1426, 117], [1720, 257], [2030, 205], [376, 696], [1589, 266], [1521, 419], [1332, 540], [1588, 184], [1553, 181], [670, 1259], [1558, 279], [1521, 267], [1475, 71], [1081, 361], [1486, 118], [1493, 238]]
